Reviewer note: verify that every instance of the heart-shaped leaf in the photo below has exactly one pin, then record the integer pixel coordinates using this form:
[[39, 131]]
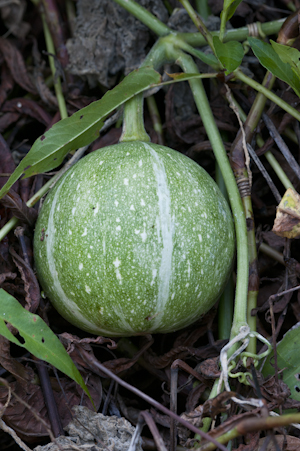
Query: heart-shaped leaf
[[229, 53]]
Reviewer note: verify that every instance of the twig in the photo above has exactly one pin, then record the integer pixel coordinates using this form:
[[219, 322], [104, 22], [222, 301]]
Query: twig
[[264, 172], [88, 357], [12, 433], [281, 145]]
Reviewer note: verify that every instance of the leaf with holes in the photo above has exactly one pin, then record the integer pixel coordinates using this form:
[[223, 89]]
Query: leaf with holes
[[81, 128], [288, 360], [38, 338]]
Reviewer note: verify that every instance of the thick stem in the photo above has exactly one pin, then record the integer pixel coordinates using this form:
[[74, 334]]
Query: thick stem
[[198, 22], [213, 134], [195, 39], [133, 121], [57, 83], [145, 17], [269, 94]]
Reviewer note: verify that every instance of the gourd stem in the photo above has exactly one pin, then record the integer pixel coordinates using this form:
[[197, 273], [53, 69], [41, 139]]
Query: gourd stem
[[133, 120]]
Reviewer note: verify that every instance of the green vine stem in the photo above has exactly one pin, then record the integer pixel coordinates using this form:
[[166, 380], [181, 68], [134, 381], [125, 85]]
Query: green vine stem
[[251, 425], [189, 66], [238, 162], [51, 51], [277, 168], [155, 117], [39, 194], [269, 94], [198, 22], [203, 8], [194, 39], [225, 307]]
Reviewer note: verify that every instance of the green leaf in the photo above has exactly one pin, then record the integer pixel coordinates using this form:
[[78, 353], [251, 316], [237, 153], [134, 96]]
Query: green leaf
[[38, 338], [287, 359], [270, 59], [79, 130], [288, 55], [230, 53], [208, 59], [229, 7]]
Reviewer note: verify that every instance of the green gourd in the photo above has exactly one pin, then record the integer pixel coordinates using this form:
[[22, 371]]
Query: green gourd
[[135, 238]]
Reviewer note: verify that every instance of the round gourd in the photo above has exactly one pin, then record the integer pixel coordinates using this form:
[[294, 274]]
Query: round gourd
[[135, 238]]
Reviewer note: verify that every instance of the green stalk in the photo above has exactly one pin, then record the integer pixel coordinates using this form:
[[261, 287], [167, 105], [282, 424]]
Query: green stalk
[[39, 194], [251, 425], [145, 17], [277, 168], [269, 94], [32, 201], [155, 117], [51, 50], [225, 307], [202, 8], [194, 39], [189, 66], [133, 121], [198, 22], [56, 80]]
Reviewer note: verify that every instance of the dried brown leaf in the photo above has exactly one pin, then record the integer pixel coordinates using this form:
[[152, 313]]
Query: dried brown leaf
[[16, 64], [31, 285], [287, 221], [7, 275], [23, 421], [7, 164], [291, 443], [27, 107], [18, 207], [19, 371]]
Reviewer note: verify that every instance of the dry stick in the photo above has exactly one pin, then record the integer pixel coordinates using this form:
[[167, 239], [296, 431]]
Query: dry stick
[[173, 395], [10, 431], [53, 414], [173, 404], [264, 173], [282, 146], [154, 431], [47, 390], [13, 434], [89, 358]]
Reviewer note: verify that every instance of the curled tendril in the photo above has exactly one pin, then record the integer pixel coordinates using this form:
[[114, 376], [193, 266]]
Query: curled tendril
[[228, 364]]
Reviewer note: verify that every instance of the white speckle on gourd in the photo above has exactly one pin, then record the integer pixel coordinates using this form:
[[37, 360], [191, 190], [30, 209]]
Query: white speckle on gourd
[[164, 266]]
